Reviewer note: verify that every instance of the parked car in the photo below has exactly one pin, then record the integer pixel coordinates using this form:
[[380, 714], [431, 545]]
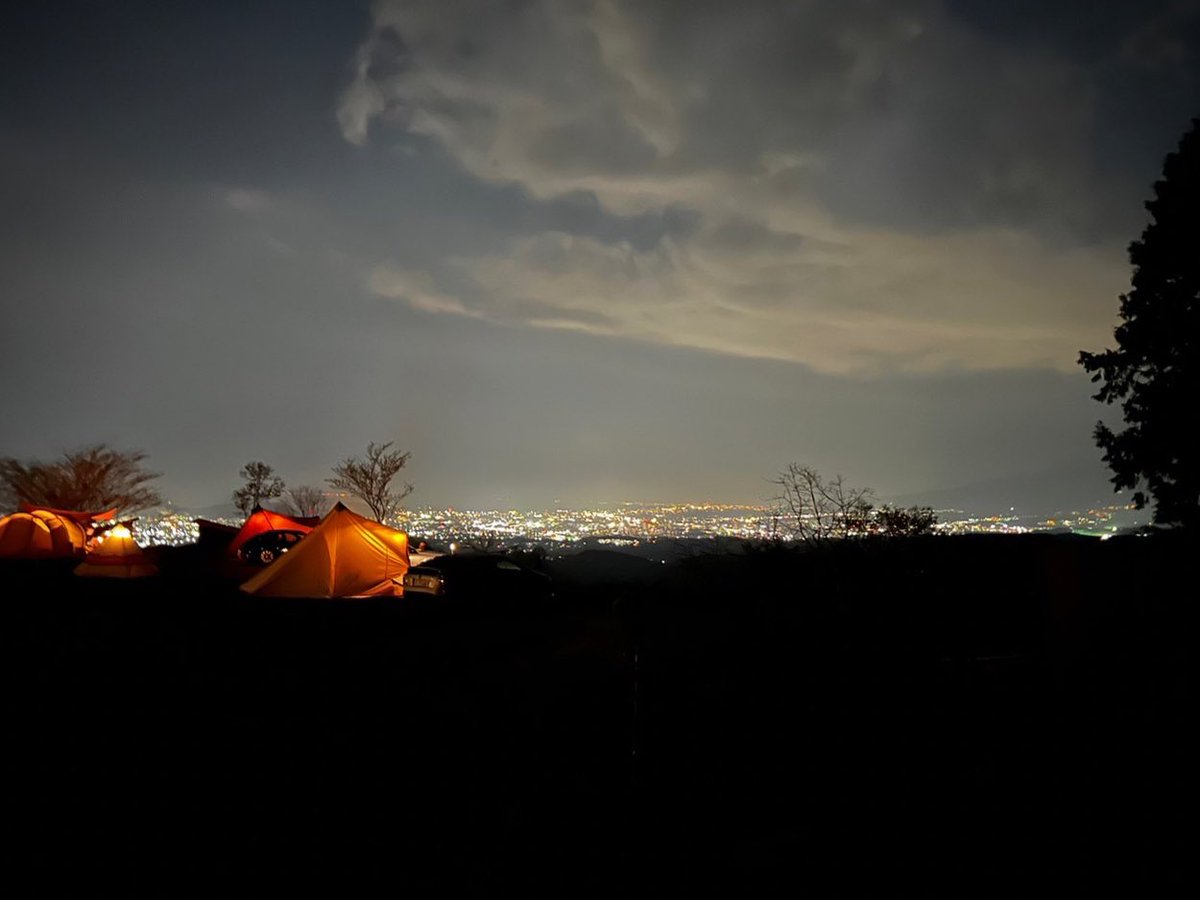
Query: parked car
[[479, 580], [263, 549]]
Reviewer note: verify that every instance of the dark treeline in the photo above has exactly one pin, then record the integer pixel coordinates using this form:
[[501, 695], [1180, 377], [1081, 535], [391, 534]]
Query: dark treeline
[[969, 715]]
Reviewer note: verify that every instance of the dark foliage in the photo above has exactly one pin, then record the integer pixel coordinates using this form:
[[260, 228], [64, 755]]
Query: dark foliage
[[894, 521], [1155, 370], [486, 542], [261, 484], [94, 478]]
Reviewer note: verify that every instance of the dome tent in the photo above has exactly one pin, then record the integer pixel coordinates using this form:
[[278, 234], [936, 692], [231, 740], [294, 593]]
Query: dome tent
[[116, 555], [41, 533], [75, 515], [347, 555]]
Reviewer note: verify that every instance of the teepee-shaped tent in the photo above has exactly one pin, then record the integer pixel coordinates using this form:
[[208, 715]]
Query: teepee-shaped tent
[[345, 556], [116, 555], [265, 520], [40, 533]]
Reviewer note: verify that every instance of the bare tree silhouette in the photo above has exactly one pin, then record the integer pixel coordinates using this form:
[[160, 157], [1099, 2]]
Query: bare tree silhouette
[[306, 501], [814, 510], [370, 479]]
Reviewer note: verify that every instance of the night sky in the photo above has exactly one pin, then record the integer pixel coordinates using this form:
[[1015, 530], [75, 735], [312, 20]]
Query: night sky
[[578, 251]]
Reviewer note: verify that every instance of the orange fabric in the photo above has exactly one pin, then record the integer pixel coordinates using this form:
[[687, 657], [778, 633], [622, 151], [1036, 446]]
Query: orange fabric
[[117, 556], [23, 535], [346, 555], [72, 514], [40, 534], [72, 531], [265, 520]]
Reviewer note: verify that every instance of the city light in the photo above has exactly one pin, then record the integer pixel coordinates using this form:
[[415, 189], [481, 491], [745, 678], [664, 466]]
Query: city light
[[627, 524]]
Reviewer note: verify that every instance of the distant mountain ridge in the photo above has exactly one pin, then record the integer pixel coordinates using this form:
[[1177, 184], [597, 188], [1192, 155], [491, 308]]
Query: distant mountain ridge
[[217, 511], [1050, 491]]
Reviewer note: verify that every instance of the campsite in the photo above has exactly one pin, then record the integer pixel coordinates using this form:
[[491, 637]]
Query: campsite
[[842, 716], [599, 448]]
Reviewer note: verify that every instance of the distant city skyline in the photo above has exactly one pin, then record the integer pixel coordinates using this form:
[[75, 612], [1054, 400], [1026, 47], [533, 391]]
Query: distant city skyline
[[627, 526]]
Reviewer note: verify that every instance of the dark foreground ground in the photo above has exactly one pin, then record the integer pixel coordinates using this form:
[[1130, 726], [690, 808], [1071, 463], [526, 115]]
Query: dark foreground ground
[[967, 716]]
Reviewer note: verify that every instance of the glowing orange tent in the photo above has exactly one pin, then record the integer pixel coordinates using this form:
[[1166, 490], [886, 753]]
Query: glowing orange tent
[[345, 556], [75, 515], [116, 555], [265, 520], [40, 533]]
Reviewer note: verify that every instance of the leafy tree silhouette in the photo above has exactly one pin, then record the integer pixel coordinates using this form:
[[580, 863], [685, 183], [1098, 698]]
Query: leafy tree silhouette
[[261, 484], [893, 521], [1154, 371], [94, 478]]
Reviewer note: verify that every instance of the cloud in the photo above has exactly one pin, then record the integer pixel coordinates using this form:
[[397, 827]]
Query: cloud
[[416, 289], [867, 189], [248, 200], [1166, 40]]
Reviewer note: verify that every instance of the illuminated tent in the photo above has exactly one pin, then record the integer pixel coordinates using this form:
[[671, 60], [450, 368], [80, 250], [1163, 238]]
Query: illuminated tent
[[116, 555], [265, 520], [75, 515], [40, 533], [345, 556]]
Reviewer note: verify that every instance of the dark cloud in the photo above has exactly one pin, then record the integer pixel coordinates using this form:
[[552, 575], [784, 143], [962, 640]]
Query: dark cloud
[[920, 150], [919, 117], [746, 235], [602, 143]]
